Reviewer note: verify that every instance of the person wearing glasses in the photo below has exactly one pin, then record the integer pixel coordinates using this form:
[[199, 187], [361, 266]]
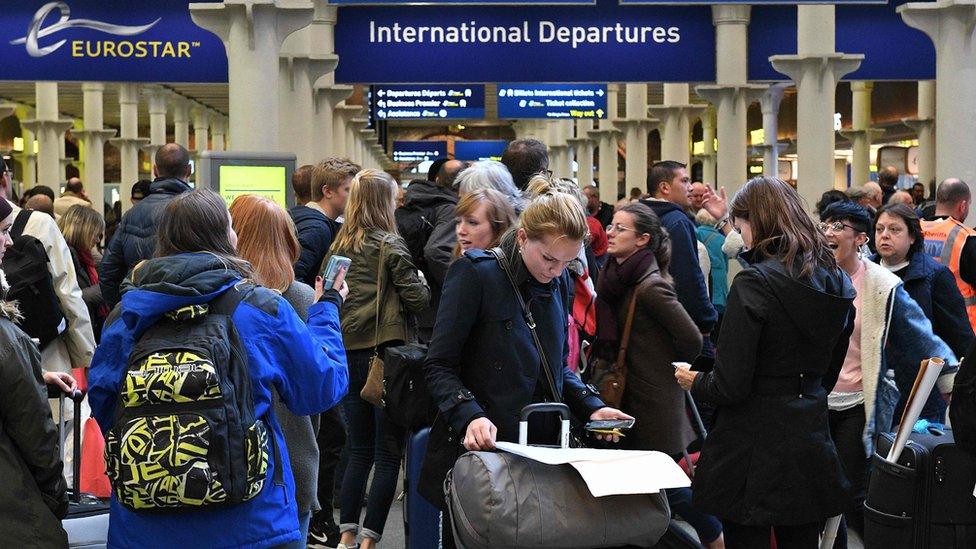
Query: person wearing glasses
[[662, 332], [891, 334], [767, 462], [900, 241]]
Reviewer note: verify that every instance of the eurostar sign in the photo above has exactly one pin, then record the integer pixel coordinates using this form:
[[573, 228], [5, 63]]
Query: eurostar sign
[[131, 41]]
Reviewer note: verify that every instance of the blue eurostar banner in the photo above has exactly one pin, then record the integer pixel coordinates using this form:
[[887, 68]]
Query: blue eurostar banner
[[479, 150], [455, 101], [604, 42], [552, 101], [107, 40], [419, 151]]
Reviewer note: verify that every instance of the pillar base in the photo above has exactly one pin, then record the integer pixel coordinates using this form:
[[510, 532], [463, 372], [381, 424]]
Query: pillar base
[[718, 94], [336, 93], [818, 66], [137, 142], [37, 126], [103, 135], [622, 124], [870, 133]]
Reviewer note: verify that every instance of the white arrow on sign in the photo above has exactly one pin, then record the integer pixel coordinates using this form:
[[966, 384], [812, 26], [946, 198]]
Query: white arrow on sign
[[599, 113], [381, 93], [599, 92], [381, 114], [381, 104]]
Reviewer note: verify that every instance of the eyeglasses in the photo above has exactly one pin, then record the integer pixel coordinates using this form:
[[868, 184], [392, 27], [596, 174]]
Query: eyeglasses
[[618, 228], [836, 227]]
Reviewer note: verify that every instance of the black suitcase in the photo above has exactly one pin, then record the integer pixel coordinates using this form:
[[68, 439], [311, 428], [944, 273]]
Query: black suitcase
[[926, 499], [87, 519]]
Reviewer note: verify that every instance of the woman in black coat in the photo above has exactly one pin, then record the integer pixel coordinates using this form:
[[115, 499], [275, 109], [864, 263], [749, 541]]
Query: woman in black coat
[[769, 460], [482, 366], [34, 497]]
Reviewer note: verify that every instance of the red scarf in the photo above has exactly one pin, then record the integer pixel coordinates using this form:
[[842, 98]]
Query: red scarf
[[88, 262]]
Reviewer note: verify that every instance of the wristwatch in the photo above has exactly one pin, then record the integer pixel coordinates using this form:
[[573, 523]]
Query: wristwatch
[[722, 223]]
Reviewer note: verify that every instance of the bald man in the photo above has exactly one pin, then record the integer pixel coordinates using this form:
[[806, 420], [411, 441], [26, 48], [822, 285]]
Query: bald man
[[872, 197], [888, 179], [951, 242], [902, 197], [41, 203]]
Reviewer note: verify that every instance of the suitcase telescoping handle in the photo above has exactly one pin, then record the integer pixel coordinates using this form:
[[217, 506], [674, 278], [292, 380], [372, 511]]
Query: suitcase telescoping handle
[[557, 407], [76, 396]]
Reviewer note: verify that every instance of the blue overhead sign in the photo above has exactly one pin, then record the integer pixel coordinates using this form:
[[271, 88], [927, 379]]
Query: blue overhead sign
[[479, 150], [604, 42], [428, 102], [745, 2], [454, 2], [418, 151], [107, 40], [552, 101], [892, 50]]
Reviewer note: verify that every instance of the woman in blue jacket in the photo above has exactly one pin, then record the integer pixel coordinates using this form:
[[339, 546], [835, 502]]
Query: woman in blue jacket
[[195, 264]]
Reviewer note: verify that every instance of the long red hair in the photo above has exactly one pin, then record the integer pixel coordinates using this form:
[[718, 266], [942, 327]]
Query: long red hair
[[266, 239]]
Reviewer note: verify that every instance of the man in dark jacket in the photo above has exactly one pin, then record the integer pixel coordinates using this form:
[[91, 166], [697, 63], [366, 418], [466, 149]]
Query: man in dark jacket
[[316, 218], [525, 158], [670, 187], [135, 238], [426, 222]]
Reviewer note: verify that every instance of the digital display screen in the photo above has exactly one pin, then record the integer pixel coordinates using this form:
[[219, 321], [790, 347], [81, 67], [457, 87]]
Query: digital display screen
[[267, 181]]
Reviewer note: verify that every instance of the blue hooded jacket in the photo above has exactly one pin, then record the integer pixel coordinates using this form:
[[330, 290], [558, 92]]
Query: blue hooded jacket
[[306, 365]]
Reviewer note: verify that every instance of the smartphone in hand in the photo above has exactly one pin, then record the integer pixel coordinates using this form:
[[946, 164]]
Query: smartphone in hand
[[335, 271], [601, 425]]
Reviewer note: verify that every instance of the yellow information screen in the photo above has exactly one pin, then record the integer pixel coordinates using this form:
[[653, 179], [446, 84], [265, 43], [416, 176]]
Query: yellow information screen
[[266, 181]]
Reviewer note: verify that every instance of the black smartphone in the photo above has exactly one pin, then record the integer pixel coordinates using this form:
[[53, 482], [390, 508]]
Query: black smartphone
[[609, 424]]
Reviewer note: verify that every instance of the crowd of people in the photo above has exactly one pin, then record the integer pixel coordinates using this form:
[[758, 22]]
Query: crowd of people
[[202, 329]]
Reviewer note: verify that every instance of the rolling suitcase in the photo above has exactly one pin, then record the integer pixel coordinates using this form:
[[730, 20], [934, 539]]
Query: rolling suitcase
[[421, 520], [504, 501], [924, 500], [87, 519]]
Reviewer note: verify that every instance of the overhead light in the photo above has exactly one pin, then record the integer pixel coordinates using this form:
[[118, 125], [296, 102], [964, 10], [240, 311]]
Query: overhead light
[[19, 144]]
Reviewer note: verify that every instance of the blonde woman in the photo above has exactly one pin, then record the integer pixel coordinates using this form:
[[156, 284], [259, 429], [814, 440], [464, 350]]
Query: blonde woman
[[482, 365], [382, 279], [83, 229], [483, 216]]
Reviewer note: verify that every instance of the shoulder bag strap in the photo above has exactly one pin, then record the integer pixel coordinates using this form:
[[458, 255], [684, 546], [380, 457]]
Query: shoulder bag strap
[[20, 222], [628, 328], [529, 320]]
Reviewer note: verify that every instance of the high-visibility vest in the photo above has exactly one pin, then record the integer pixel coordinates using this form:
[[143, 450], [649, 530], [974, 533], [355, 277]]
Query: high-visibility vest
[[944, 240]]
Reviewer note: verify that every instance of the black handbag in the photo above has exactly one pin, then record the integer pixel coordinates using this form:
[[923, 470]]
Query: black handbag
[[408, 402]]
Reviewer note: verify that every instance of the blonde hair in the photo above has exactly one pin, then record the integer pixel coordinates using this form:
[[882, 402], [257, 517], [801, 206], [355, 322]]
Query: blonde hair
[[266, 238], [80, 225], [556, 214], [371, 206], [501, 215]]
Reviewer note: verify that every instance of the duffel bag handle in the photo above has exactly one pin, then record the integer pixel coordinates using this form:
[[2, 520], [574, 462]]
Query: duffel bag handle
[[557, 407]]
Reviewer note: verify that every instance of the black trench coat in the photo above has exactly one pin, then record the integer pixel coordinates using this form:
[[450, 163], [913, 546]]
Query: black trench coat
[[769, 459]]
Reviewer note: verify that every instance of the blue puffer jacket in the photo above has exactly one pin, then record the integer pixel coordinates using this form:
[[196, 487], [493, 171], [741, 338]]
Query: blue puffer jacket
[[306, 365], [135, 238]]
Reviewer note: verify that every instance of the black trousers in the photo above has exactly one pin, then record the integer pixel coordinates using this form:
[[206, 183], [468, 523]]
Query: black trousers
[[846, 430], [747, 536], [331, 440]]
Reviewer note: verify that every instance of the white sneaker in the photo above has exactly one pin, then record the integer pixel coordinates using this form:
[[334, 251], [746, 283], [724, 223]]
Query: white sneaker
[[344, 546]]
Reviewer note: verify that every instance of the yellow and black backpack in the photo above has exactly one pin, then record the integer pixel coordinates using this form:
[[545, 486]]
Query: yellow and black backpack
[[185, 435]]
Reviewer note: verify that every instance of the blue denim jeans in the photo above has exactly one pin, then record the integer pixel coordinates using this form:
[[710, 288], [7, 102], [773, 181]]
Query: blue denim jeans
[[372, 440]]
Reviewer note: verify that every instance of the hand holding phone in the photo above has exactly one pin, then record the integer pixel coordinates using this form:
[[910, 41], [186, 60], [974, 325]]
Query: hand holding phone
[[609, 424]]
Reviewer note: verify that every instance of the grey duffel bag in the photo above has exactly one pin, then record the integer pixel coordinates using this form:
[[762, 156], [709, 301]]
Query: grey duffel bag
[[505, 501]]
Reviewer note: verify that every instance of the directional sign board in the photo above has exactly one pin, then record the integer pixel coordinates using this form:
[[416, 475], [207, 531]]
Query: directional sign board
[[428, 102], [418, 151], [552, 100], [479, 150]]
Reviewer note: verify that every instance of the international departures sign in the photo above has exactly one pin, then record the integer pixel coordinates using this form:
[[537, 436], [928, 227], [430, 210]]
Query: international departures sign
[[470, 41]]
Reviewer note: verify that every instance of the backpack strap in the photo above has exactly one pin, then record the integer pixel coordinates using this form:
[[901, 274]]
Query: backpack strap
[[227, 302], [20, 222]]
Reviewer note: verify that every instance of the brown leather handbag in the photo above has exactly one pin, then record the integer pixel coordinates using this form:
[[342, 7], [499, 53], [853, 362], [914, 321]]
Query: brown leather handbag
[[610, 378], [373, 389]]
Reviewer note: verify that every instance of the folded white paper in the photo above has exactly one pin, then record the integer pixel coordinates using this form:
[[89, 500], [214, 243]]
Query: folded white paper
[[610, 472], [928, 374]]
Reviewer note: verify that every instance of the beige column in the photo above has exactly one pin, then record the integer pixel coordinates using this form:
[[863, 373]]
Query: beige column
[[181, 121], [27, 157], [219, 126], [157, 98], [635, 128], [93, 137], [731, 95], [49, 128], [606, 136], [201, 130], [708, 156], [560, 156], [128, 141], [816, 69], [924, 126], [676, 115], [951, 25], [770, 102], [861, 133], [252, 32], [582, 149], [330, 96]]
